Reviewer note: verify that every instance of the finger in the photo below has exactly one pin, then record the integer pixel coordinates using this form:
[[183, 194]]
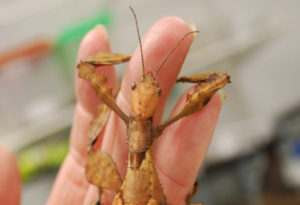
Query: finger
[[91, 196], [71, 185], [94, 42], [156, 44], [10, 180], [186, 143]]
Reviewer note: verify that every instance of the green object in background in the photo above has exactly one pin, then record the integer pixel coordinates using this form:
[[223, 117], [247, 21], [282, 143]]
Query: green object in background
[[66, 44], [41, 157], [79, 30]]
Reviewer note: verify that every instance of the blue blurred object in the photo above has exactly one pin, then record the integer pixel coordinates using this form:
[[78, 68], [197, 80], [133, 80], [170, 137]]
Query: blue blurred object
[[288, 134]]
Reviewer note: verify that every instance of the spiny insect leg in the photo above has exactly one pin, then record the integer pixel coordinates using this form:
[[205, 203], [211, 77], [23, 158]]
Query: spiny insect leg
[[199, 78], [207, 85], [106, 58], [97, 124], [104, 92]]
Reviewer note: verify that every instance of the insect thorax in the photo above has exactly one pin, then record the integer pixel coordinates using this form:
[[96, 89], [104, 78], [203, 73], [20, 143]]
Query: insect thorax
[[139, 139]]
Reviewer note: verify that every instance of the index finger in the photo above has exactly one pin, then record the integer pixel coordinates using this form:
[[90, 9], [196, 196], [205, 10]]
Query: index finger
[[71, 185], [86, 96]]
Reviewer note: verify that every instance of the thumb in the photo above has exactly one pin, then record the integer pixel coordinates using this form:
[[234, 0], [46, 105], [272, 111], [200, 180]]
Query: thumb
[[10, 179]]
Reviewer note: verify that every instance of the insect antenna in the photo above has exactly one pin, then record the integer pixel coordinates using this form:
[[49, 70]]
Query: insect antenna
[[172, 50], [138, 32]]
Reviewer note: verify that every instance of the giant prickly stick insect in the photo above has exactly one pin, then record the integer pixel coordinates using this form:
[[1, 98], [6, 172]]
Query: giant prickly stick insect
[[141, 185]]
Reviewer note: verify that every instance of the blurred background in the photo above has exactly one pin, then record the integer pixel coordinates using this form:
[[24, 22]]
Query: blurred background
[[254, 158]]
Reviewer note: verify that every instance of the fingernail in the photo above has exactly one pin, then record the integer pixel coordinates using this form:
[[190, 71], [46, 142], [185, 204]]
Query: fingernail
[[103, 30], [191, 25], [222, 95]]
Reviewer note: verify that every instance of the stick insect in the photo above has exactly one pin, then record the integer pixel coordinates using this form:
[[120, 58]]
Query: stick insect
[[141, 185]]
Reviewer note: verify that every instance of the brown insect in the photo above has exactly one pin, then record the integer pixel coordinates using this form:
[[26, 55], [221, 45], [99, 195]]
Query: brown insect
[[141, 185]]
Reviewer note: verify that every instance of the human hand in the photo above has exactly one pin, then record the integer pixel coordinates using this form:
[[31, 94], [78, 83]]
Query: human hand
[[181, 149]]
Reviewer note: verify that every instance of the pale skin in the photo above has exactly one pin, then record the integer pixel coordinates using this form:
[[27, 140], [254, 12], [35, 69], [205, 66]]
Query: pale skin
[[181, 149]]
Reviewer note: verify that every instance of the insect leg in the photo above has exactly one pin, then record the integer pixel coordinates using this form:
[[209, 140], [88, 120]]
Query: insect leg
[[101, 171], [97, 124], [106, 58], [104, 92], [207, 85], [99, 120], [199, 78]]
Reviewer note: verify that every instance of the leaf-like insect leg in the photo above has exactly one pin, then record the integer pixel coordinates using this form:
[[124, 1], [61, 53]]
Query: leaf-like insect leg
[[97, 124], [106, 58], [199, 78], [104, 92], [207, 85], [101, 171]]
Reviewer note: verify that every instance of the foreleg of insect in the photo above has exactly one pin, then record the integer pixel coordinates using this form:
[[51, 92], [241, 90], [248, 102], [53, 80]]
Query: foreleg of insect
[[106, 58], [207, 85], [200, 78], [104, 92]]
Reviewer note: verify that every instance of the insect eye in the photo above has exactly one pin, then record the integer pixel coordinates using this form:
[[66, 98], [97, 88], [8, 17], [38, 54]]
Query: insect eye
[[159, 92], [133, 86]]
